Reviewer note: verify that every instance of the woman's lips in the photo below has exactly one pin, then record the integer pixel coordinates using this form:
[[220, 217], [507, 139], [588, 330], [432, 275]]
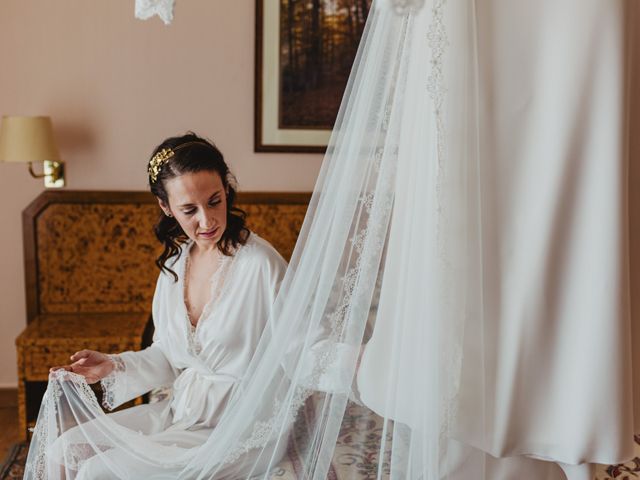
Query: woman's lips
[[209, 234]]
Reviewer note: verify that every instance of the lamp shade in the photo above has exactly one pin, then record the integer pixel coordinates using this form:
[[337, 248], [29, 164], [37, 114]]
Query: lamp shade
[[27, 139]]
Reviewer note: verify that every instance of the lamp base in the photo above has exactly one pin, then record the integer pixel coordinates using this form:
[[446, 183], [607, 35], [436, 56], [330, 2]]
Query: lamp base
[[53, 174]]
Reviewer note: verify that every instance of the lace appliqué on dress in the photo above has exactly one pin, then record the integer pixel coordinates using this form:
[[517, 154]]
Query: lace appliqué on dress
[[146, 9], [110, 383]]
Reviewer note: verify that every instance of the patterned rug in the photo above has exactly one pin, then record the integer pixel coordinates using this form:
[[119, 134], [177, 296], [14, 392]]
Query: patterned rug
[[13, 466], [348, 453]]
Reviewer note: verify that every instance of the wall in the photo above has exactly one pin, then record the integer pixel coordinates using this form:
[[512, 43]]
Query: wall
[[633, 103], [114, 87]]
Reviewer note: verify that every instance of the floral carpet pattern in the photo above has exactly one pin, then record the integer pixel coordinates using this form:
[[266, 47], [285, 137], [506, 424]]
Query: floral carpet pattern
[[358, 444], [624, 471], [351, 452]]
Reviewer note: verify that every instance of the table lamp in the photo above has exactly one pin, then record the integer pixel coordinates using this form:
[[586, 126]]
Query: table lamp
[[29, 140]]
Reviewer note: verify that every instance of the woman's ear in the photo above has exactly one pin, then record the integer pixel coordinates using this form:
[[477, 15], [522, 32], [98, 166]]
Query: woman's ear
[[165, 208]]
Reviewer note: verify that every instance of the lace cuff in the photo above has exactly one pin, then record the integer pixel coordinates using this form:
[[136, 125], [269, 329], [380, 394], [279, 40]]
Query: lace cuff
[[113, 383]]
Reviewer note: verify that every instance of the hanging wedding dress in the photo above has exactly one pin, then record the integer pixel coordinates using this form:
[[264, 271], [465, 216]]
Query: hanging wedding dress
[[456, 306], [556, 321]]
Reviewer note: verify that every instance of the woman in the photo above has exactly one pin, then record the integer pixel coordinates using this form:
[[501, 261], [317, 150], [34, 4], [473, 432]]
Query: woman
[[213, 297]]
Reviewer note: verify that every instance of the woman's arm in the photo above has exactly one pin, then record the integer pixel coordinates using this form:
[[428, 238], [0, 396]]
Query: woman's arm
[[128, 375], [124, 376], [136, 373]]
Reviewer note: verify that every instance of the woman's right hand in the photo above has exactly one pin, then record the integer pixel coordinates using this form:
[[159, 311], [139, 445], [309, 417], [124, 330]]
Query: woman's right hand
[[92, 365]]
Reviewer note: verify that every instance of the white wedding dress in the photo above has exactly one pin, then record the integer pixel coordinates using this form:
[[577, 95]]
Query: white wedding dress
[[546, 363], [553, 148]]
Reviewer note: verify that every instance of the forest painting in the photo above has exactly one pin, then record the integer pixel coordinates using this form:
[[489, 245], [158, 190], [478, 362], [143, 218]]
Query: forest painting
[[304, 53], [318, 44]]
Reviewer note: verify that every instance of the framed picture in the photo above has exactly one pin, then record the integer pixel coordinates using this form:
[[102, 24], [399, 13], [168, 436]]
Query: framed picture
[[304, 53]]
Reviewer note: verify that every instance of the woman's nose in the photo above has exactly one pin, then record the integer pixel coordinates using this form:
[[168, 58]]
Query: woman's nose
[[206, 223]]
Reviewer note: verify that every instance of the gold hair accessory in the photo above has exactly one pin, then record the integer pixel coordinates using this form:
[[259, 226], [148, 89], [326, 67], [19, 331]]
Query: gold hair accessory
[[158, 160], [163, 156]]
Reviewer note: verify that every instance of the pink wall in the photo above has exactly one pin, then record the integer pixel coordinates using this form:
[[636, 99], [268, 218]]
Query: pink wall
[[114, 87]]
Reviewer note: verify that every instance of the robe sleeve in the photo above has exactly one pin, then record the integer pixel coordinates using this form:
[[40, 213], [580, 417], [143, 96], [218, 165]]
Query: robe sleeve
[[136, 373], [320, 359]]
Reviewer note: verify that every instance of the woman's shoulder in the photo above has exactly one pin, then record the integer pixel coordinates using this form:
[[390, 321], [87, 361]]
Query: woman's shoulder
[[259, 251]]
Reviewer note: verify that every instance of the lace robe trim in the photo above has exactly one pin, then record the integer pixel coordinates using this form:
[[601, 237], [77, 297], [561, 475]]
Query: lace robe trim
[[112, 383], [219, 282]]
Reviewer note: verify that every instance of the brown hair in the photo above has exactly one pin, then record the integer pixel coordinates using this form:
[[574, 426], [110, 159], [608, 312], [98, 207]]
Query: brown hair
[[192, 153]]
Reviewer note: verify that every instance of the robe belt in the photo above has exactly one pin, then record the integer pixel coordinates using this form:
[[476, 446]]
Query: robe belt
[[189, 382], [188, 374]]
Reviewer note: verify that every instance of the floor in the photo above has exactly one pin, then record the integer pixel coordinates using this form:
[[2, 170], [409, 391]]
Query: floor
[[8, 420], [9, 431]]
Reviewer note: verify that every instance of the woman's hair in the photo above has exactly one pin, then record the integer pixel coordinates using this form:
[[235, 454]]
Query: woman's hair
[[189, 154]]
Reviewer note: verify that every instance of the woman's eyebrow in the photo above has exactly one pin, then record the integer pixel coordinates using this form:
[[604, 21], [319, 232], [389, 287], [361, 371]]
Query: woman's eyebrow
[[215, 194]]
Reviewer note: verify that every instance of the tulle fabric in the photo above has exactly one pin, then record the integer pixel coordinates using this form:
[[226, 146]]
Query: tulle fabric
[[369, 324], [73, 432]]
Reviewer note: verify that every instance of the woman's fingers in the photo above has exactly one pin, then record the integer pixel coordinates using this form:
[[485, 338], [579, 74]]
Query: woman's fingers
[[84, 362], [81, 354], [68, 368], [89, 373], [80, 361]]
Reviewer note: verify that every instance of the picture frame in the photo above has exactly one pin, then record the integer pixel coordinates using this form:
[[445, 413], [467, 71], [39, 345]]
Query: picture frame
[[292, 114]]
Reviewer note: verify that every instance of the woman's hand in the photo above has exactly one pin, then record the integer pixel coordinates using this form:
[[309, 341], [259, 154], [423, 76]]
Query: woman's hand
[[92, 365]]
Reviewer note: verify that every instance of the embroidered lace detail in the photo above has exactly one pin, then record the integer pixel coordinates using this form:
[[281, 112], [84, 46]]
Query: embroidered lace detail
[[219, 288], [219, 283], [47, 429], [195, 347], [76, 454], [376, 204], [438, 43], [437, 40], [146, 9], [263, 430], [41, 433], [109, 383]]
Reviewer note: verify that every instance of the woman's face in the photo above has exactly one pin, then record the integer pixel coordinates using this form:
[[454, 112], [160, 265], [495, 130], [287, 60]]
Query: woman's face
[[198, 201]]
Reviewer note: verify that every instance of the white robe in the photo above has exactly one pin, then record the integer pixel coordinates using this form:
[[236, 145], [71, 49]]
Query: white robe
[[201, 365]]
